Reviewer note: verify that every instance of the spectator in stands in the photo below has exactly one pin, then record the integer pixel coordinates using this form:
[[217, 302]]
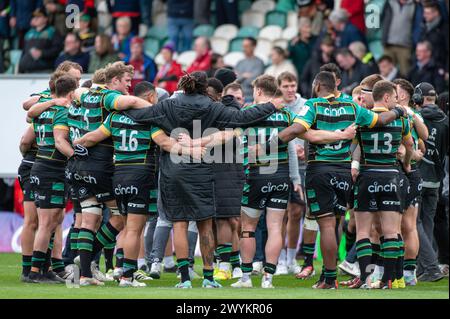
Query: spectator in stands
[[103, 53], [180, 22], [144, 67], [301, 47], [122, 38], [202, 62], [323, 56], [355, 10], [397, 22], [279, 63], [86, 33], [170, 72], [21, 15], [425, 69], [359, 50], [216, 64], [42, 45], [146, 13], [227, 12], [345, 32], [202, 11], [435, 31], [56, 11], [388, 69], [4, 30], [315, 11], [72, 52], [249, 68], [126, 8], [353, 70], [226, 76]]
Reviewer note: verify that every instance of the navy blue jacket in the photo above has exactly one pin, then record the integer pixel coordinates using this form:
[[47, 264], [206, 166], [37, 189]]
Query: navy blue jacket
[[349, 35], [23, 11], [180, 9]]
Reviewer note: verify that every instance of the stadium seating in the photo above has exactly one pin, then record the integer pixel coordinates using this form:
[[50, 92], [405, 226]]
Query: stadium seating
[[263, 5], [244, 5], [220, 45], [253, 18], [151, 46], [236, 45], [276, 18], [248, 32], [270, 32], [161, 19], [282, 43], [15, 56], [292, 19], [158, 32], [289, 33], [226, 31], [186, 58], [233, 58], [264, 47], [204, 30]]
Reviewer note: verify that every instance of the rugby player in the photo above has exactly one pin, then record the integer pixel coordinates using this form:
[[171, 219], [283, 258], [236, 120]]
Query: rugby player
[[328, 177], [377, 189], [134, 176], [48, 174]]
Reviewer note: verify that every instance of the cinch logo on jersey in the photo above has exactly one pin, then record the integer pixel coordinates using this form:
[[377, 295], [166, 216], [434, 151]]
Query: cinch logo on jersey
[[335, 112], [271, 188], [129, 190], [87, 179], [340, 185], [388, 188], [92, 98]]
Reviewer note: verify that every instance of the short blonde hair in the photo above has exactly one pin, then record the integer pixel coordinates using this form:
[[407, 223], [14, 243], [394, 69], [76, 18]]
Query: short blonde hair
[[117, 69], [99, 77]]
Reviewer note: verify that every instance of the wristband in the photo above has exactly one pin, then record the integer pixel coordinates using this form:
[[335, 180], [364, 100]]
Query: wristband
[[399, 112], [355, 165]]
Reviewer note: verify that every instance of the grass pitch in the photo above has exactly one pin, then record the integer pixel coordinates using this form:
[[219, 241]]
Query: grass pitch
[[287, 287]]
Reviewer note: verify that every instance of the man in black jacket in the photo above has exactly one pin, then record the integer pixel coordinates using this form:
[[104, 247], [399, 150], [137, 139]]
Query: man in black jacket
[[354, 71], [42, 45], [431, 169], [426, 69]]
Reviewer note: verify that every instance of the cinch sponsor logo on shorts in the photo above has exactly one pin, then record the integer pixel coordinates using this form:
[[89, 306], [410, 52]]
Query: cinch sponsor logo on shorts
[[35, 180], [278, 201], [271, 188], [134, 205], [345, 186], [388, 188], [389, 202], [129, 190], [87, 179]]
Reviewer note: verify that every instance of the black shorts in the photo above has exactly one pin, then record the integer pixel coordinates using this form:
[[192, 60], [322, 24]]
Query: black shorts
[[294, 197], [24, 181], [49, 185], [378, 190], [329, 190], [93, 183], [415, 188], [266, 191], [71, 187], [133, 190]]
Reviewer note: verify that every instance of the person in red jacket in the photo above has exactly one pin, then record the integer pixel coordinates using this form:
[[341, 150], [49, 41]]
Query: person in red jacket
[[169, 73], [202, 62], [355, 9]]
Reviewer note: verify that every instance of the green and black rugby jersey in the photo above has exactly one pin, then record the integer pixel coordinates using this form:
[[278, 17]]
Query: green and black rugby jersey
[[414, 134], [379, 145], [43, 126], [331, 114], [267, 129], [133, 145]]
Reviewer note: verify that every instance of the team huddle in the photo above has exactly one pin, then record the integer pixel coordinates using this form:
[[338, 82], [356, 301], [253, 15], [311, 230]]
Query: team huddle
[[134, 165]]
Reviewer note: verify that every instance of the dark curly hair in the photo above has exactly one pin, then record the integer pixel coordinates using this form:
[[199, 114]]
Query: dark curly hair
[[194, 83]]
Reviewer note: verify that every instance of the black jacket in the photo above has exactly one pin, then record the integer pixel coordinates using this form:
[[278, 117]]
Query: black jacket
[[431, 73], [431, 166], [438, 37], [352, 78], [180, 9], [187, 188], [229, 174], [312, 67]]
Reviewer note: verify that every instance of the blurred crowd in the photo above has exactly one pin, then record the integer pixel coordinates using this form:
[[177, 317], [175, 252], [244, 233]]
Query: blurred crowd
[[413, 35]]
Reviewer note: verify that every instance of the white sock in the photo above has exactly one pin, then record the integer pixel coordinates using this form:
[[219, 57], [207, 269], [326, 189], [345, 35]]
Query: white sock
[[141, 262], [225, 266], [268, 277], [282, 258], [291, 252], [168, 261]]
